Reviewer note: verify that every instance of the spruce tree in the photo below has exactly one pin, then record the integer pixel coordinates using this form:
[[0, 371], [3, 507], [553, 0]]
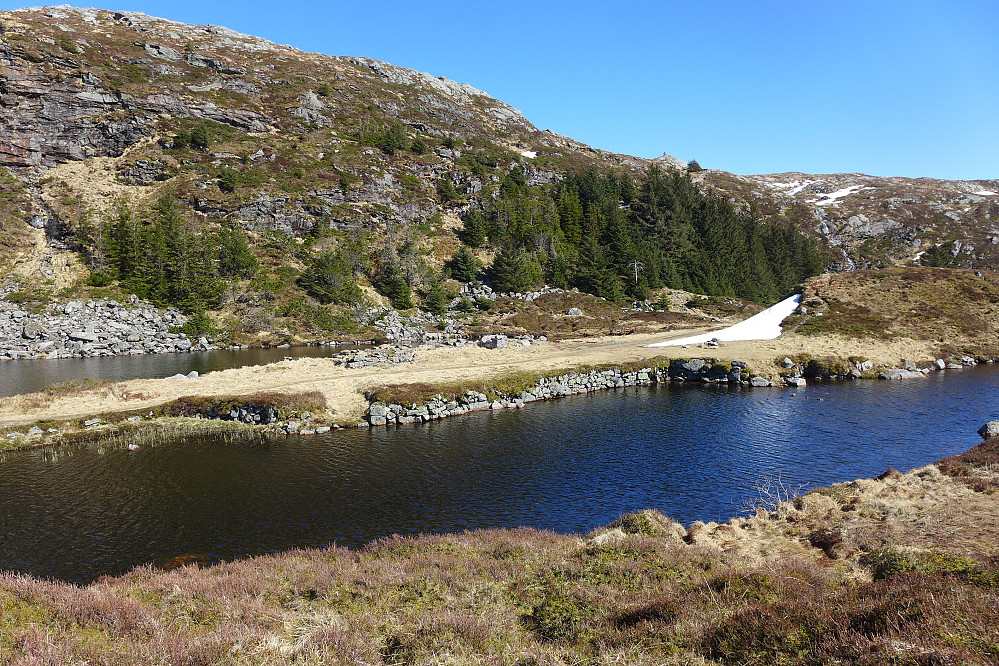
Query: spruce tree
[[463, 266], [474, 232], [435, 299], [514, 272]]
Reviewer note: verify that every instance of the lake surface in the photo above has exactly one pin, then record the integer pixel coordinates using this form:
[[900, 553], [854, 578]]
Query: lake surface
[[569, 465], [30, 375]]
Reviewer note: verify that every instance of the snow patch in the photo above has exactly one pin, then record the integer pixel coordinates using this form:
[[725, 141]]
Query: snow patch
[[792, 188], [986, 193], [762, 326], [529, 154], [833, 197]]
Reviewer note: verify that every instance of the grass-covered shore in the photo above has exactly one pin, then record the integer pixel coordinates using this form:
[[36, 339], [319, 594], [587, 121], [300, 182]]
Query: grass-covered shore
[[898, 570]]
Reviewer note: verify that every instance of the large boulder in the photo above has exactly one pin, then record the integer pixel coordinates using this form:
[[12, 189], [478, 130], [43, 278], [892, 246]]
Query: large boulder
[[989, 430]]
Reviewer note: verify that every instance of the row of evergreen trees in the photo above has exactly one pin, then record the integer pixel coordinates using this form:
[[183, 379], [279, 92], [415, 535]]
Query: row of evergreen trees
[[602, 234], [166, 258], [597, 232]]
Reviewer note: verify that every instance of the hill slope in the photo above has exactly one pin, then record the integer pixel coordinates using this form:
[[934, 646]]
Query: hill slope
[[126, 138]]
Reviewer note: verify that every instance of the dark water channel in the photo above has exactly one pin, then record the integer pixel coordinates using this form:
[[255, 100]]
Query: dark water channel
[[569, 465], [30, 375]]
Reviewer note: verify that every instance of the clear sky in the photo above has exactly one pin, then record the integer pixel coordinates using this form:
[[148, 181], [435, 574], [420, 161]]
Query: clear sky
[[881, 87]]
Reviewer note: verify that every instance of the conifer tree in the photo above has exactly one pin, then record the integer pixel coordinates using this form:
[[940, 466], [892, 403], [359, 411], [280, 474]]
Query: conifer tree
[[474, 231], [435, 299], [463, 266]]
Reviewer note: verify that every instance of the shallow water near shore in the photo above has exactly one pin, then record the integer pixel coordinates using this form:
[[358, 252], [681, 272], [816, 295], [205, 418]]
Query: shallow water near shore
[[694, 452], [30, 375]]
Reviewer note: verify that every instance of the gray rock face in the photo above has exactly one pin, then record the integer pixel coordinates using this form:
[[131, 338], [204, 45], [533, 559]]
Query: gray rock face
[[989, 430], [310, 109]]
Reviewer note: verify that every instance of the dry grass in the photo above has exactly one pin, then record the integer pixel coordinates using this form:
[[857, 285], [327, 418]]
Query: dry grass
[[957, 309], [284, 403], [547, 316]]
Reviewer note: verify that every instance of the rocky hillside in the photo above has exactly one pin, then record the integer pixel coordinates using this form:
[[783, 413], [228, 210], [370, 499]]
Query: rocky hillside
[[873, 222], [305, 153], [92, 98]]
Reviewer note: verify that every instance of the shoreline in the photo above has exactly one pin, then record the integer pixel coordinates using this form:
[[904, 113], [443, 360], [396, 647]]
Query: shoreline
[[427, 384]]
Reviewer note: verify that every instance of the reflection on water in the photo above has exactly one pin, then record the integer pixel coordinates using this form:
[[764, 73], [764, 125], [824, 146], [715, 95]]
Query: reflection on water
[[28, 376], [568, 465]]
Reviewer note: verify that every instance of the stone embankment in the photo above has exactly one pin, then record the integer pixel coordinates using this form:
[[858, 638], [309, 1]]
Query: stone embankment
[[910, 370], [100, 327], [708, 371], [547, 388]]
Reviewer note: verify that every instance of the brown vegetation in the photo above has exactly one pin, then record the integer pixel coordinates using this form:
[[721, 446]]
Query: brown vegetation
[[953, 308]]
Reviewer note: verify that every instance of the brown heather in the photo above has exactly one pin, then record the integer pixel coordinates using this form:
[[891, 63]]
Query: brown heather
[[897, 570]]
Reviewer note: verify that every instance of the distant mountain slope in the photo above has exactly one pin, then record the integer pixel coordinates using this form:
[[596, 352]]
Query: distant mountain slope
[[874, 222]]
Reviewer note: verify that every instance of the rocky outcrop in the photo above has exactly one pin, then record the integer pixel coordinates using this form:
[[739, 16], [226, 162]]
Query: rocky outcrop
[[92, 328], [48, 118]]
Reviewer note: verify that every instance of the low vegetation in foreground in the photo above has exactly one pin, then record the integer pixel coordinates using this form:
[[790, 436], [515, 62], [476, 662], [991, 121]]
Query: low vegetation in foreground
[[902, 569]]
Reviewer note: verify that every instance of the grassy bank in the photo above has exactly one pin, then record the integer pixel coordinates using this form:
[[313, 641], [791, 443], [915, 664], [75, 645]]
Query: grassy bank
[[185, 416], [899, 570]]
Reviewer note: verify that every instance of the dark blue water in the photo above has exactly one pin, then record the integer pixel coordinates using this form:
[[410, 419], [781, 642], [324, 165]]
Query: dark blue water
[[695, 453]]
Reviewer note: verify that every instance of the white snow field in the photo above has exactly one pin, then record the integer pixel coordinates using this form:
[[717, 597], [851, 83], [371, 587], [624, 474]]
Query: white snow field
[[762, 326]]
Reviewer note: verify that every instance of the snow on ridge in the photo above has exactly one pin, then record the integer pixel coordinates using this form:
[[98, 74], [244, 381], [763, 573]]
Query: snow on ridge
[[792, 188], [762, 326], [832, 198]]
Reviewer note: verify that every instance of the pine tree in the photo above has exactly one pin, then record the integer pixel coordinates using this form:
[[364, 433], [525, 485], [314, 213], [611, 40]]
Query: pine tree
[[514, 272], [329, 279], [235, 257], [474, 232], [463, 266], [435, 300], [393, 284]]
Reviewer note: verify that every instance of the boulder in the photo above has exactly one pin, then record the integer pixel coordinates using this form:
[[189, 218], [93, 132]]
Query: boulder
[[795, 381], [83, 336], [494, 341], [574, 312], [899, 373], [989, 430]]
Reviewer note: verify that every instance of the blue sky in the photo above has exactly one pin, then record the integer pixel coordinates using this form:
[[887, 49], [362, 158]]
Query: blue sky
[[886, 88]]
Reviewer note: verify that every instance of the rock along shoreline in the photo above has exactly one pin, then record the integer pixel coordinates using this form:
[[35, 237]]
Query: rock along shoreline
[[696, 370]]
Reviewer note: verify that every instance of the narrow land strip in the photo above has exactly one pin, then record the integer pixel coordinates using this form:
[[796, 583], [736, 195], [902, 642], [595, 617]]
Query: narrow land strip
[[343, 388]]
